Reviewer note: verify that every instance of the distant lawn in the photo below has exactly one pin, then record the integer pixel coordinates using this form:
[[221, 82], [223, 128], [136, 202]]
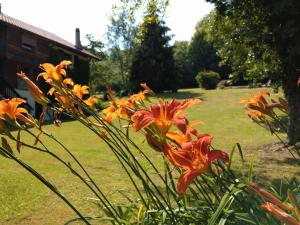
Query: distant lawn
[[23, 200]]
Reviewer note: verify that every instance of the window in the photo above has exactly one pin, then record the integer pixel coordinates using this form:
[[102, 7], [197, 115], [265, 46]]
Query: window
[[28, 42], [28, 47]]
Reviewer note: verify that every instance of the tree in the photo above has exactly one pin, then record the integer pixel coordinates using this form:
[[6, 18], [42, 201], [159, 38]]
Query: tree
[[122, 32], [120, 35], [153, 61], [183, 64], [94, 46], [202, 52], [275, 24], [248, 58]]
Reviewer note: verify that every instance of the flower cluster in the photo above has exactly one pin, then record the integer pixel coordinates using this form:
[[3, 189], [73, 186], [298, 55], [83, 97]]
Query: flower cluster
[[65, 91], [185, 148], [260, 110], [125, 107], [164, 125]]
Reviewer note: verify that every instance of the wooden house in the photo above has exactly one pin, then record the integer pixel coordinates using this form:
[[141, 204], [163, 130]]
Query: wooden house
[[24, 47]]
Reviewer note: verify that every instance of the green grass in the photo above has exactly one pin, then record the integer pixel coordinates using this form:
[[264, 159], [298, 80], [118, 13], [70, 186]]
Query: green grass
[[25, 201]]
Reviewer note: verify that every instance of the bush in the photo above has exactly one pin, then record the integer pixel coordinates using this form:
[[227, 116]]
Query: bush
[[207, 79]]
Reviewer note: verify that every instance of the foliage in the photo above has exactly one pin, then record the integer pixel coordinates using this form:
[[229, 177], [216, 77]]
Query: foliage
[[208, 79], [183, 64], [259, 25], [94, 46], [203, 53], [248, 59], [120, 35], [153, 58], [104, 72]]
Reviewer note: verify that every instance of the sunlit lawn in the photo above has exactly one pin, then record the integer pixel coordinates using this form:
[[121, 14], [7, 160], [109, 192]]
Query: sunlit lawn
[[23, 200]]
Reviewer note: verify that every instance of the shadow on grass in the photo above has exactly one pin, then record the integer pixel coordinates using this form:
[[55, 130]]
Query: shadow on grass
[[181, 95]]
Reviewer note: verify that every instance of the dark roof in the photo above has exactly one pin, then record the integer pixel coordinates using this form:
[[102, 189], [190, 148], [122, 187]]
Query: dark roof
[[44, 34]]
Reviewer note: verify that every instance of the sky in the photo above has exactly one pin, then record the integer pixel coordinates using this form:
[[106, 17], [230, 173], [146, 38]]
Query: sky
[[61, 17]]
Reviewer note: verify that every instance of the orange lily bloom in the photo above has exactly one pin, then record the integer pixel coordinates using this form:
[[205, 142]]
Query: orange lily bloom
[[180, 139], [68, 81], [142, 95], [118, 108], [79, 90], [34, 90], [91, 101], [110, 113], [163, 116], [280, 214], [63, 101], [54, 72], [9, 109], [195, 157]]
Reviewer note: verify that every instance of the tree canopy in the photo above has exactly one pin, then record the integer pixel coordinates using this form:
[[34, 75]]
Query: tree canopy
[[153, 61], [272, 27]]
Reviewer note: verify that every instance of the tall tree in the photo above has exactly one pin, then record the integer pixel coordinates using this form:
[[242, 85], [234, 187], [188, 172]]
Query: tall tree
[[122, 31], [183, 64], [120, 35], [276, 24], [153, 61]]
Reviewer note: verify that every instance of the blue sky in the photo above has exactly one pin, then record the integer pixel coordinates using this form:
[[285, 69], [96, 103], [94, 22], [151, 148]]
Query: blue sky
[[91, 16]]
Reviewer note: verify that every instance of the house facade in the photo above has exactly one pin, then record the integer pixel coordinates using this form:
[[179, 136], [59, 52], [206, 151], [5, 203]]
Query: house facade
[[24, 47]]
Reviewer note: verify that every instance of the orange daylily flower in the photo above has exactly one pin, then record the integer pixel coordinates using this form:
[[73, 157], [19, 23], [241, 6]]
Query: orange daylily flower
[[68, 81], [163, 115], [258, 98], [142, 95], [63, 101], [9, 109], [195, 157], [118, 108], [79, 90], [110, 113], [51, 91], [280, 214], [54, 72], [91, 101], [34, 90], [180, 139]]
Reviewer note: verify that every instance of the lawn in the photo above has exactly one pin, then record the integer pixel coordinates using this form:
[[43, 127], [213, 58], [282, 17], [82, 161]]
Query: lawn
[[25, 201]]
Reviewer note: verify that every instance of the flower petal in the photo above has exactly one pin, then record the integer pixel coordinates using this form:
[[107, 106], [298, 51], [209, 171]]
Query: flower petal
[[185, 180], [142, 119]]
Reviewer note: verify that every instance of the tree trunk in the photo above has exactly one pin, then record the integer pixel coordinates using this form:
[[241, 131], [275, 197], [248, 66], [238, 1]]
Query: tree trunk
[[292, 94]]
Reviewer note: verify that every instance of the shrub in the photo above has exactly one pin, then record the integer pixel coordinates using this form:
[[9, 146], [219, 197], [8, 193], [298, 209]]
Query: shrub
[[207, 79]]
